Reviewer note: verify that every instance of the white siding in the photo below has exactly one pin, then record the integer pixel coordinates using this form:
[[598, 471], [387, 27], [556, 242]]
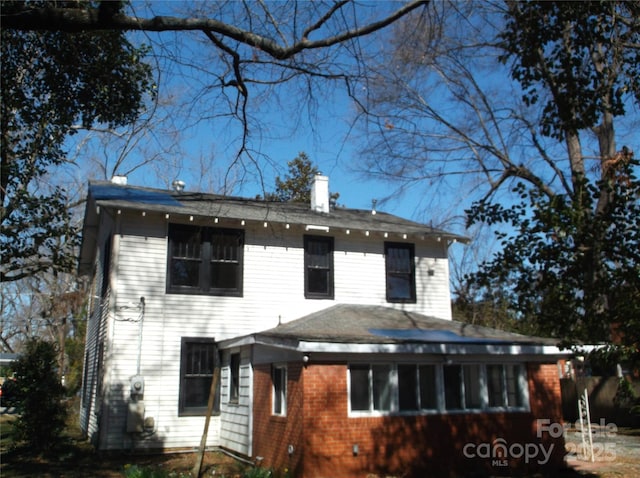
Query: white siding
[[93, 392], [273, 291], [236, 418]]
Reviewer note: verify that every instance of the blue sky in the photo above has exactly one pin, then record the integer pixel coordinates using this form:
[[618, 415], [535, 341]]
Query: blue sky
[[282, 129]]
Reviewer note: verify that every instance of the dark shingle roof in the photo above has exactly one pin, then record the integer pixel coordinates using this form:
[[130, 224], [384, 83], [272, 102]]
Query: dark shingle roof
[[384, 325], [107, 194]]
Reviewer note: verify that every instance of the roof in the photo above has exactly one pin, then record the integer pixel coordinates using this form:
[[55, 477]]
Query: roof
[[7, 358], [112, 195], [378, 324], [105, 194], [370, 328]]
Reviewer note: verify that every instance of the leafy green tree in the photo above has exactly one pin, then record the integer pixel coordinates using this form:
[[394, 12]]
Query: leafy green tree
[[574, 255], [54, 83], [548, 262], [296, 185], [39, 397], [512, 105]]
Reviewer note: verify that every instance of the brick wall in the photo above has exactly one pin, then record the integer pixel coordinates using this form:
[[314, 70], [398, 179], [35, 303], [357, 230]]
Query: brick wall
[[273, 434], [427, 445]]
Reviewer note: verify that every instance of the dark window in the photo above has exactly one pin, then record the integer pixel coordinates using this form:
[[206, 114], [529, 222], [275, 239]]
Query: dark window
[[472, 386], [371, 387], [452, 390], [428, 387], [495, 386], [359, 387], [515, 392], [408, 388], [204, 260], [318, 267], [503, 386], [417, 388], [106, 268], [382, 387], [198, 359], [234, 378], [400, 270], [279, 380]]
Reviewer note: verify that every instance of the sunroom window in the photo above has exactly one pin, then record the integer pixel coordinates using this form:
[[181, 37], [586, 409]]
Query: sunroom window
[[428, 388]]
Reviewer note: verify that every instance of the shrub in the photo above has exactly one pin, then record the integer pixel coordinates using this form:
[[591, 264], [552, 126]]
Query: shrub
[[38, 397]]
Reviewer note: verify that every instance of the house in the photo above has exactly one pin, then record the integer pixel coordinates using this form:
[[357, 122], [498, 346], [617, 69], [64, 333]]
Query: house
[[331, 331]]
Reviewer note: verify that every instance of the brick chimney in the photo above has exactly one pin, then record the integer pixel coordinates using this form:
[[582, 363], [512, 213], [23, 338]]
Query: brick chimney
[[320, 193]]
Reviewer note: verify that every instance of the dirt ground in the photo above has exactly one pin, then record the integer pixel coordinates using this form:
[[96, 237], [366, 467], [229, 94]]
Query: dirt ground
[[617, 455], [75, 458], [77, 465]]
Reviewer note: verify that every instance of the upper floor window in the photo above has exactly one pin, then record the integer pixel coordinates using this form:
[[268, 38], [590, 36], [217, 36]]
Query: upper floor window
[[198, 359], [400, 271], [204, 260], [318, 267]]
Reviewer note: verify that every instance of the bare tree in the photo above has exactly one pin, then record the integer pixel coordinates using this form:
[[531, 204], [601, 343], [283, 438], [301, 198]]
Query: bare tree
[[492, 95], [234, 56]]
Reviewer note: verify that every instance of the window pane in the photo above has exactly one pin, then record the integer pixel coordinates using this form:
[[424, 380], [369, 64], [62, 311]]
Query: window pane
[[399, 259], [428, 387], [381, 387], [279, 390], [514, 390], [399, 272], [495, 385], [399, 287], [197, 365], [318, 263], [234, 377], [359, 382], [196, 393], [472, 386], [225, 275], [452, 394], [408, 387], [225, 260], [318, 282], [186, 244], [318, 254], [185, 272], [186, 256], [199, 359], [225, 246]]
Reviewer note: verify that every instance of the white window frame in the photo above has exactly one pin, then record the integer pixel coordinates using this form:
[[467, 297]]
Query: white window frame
[[484, 407], [279, 394]]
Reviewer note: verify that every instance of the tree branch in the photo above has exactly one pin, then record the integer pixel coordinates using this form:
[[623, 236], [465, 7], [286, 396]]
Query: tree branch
[[74, 20]]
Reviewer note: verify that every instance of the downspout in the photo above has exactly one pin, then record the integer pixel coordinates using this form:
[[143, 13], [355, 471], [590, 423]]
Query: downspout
[[110, 322], [140, 321]]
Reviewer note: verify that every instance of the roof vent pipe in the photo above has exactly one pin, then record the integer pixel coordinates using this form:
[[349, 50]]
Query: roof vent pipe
[[177, 185], [320, 193], [118, 179]]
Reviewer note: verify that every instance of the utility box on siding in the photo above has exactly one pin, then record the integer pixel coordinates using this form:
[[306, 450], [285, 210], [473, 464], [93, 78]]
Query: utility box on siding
[[135, 417]]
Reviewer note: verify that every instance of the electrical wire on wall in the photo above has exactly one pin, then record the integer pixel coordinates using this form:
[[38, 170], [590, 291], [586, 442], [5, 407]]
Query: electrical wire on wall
[[139, 319]]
